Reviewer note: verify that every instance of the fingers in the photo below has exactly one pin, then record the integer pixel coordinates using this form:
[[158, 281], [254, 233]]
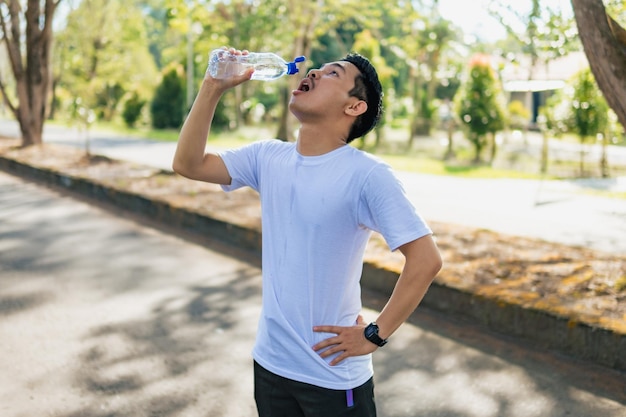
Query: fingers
[[339, 358], [347, 342], [234, 51], [333, 350], [327, 342], [328, 329]]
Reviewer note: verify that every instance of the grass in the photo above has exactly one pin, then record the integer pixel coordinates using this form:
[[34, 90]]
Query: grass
[[438, 167]]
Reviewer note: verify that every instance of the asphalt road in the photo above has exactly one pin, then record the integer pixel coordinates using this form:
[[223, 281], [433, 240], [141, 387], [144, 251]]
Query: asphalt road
[[569, 212], [105, 316]]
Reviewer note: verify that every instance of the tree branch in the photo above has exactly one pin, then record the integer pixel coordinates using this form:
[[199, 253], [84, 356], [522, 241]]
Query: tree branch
[[5, 96], [13, 39], [618, 32]]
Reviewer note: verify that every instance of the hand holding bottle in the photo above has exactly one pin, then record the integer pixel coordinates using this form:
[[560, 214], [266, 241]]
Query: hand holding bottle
[[232, 73]]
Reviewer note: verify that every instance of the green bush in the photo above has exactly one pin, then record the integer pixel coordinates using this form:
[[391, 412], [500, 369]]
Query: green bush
[[479, 105], [589, 109], [132, 109], [167, 107], [518, 115]]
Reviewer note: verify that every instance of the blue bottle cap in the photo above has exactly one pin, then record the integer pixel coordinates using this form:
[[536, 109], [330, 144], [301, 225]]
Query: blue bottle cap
[[291, 66]]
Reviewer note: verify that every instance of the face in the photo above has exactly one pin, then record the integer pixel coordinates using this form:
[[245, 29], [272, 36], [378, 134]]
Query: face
[[325, 91]]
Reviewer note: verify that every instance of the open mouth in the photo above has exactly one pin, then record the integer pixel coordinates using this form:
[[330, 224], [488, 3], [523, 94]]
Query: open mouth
[[305, 85]]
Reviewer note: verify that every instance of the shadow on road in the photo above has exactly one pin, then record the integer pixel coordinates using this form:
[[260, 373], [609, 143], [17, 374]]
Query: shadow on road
[[164, 328], [142, 360]]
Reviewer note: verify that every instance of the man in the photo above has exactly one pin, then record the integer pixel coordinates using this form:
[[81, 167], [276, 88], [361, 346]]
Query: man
[[320, 201]]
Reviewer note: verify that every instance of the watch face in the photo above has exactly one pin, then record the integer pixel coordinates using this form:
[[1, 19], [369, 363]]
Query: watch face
[[371, 334]]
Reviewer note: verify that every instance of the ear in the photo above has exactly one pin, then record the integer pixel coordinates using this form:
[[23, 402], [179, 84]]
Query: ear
[[356, 108]]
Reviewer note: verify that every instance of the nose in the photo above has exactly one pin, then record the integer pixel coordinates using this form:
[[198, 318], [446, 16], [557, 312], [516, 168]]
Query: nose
[[314, 73]]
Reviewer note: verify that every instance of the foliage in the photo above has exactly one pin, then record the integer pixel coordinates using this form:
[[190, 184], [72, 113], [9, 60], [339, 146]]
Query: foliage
[[554, 115], [107, 100], [589, 111], [547, 33], [110, 48], [617, 9], [422, 42], [518, 115], [579, 102], [132, 109], [588, 107], [167, 107], [367, 45], [479, 104], [102, 53]]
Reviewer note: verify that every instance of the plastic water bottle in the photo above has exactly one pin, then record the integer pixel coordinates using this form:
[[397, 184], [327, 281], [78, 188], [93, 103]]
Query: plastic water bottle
[[267, 66]]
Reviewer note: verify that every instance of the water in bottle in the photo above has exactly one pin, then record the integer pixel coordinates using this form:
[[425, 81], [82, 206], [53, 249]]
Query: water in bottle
[[267, 66]]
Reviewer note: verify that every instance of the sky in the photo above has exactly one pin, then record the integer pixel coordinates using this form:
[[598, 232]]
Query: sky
[[473, 17]]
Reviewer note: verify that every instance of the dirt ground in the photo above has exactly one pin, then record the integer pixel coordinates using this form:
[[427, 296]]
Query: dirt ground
[[578, 283]]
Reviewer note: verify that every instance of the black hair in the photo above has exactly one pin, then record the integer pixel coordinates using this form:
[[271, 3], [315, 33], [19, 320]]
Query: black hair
[[367, 87]]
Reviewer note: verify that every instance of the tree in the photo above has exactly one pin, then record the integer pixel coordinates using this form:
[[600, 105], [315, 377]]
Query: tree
[[30, 62], [420, 42], [167, 107], [132, 109], [307, 22], [101, 54], [368, 46], [589, 112], [433, 39], [479, 105], [548, 34], [604, 42]]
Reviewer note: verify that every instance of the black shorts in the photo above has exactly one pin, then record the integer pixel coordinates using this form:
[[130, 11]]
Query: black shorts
[[276, 396]]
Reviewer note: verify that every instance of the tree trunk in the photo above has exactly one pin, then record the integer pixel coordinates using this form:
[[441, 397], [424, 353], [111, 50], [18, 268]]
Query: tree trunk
[[494, 148], [604, 42], [415, 82], [604, 161], [582, 157], [450, 128], [287, 120], [478, 148], [544, 152], [302, 46], [32, 79], [283, 123]]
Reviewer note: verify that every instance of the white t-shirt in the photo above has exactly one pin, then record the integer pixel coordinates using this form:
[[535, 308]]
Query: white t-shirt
[[317, 216]]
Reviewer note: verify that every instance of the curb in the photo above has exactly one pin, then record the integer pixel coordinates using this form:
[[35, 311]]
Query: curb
[[544, 329]]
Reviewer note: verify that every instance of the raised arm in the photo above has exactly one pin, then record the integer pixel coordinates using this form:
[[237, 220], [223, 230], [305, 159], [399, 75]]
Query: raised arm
[[191, 159]]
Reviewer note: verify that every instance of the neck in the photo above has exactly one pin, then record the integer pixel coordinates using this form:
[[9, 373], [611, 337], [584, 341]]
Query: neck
[[313, 141]]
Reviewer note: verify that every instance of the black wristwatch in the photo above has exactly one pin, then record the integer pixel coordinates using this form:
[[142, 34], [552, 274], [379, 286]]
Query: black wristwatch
[[371, 334]]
